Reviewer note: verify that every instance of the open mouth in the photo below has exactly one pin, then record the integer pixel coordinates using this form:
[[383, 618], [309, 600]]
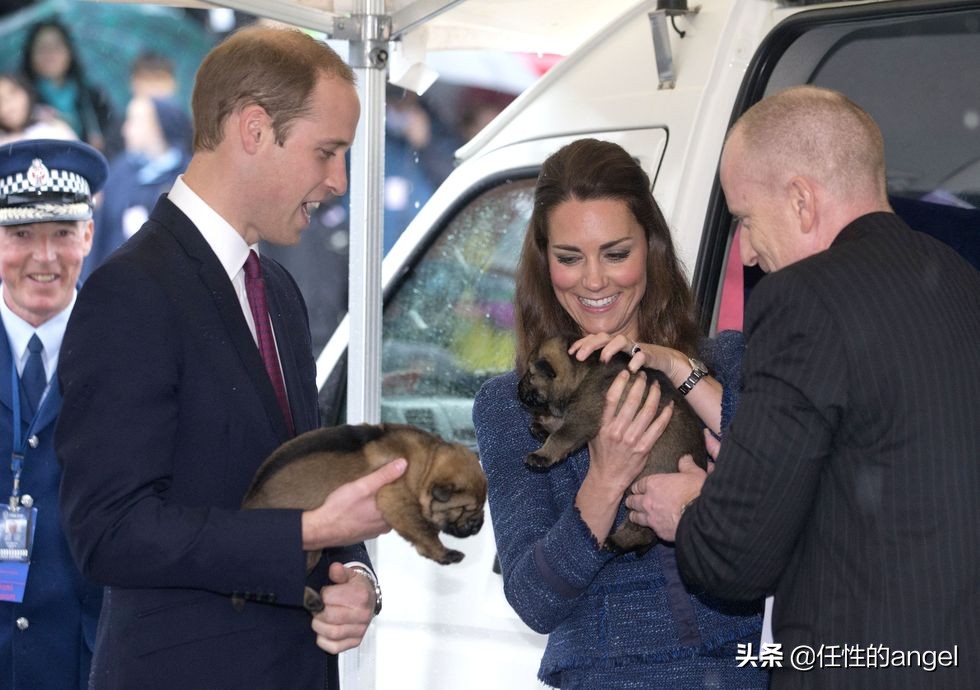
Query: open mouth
[[598, 303], [309, 208]]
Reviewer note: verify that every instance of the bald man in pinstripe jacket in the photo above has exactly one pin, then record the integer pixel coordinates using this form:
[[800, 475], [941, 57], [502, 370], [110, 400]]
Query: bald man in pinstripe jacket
[[848, 482]]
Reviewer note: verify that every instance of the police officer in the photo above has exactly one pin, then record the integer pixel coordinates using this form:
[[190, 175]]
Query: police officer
[[48, 612]]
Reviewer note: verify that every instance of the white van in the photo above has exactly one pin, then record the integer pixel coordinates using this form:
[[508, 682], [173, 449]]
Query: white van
[[665, 84]]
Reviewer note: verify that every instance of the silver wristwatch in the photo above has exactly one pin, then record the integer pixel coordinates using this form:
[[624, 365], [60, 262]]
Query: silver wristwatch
[[698, 372], [366, 572]]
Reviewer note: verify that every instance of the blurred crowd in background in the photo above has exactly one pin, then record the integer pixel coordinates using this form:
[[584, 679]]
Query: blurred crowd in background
[[120, 76]]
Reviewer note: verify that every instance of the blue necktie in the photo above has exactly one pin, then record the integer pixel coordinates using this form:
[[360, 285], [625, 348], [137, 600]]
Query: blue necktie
[[33, 379]]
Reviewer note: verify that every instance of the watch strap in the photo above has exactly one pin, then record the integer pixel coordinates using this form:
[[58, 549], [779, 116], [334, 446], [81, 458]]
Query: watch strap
[[366, 572], [698, 372]]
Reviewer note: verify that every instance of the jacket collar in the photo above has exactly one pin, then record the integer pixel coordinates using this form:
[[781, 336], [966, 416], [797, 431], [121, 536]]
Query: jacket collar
[[219, 287]]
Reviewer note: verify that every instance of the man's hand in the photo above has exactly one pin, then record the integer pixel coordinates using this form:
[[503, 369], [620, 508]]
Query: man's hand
[[350, 514], [347, 613], [713, 446], [657, 500]]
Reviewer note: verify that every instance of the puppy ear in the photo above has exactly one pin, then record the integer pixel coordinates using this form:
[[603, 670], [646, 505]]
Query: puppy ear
[[442, 492]]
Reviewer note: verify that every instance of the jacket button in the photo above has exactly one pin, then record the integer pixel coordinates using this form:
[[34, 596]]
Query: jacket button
[[27, 500], [23, 623], [33, 441]]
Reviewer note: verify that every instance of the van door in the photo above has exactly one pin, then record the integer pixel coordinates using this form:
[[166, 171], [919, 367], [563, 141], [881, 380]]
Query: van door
[[913, 67]]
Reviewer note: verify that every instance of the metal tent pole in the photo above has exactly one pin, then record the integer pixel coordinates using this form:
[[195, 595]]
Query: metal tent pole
[[367, 30]]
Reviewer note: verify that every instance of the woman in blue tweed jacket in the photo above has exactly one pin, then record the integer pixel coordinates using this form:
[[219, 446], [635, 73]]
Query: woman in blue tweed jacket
[[598, 268]]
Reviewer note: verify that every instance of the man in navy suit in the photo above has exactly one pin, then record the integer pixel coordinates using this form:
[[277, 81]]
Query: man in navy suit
[[48, 611], [847, 482], [180, 374]]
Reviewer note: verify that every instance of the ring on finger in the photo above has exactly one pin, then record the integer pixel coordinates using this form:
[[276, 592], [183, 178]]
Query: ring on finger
[[636, 348]]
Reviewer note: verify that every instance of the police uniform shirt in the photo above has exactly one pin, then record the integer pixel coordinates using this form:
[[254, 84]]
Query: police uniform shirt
[[51, 333]]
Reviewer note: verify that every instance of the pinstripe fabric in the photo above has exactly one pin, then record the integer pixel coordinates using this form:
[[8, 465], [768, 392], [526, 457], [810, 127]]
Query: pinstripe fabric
[[849, 481]]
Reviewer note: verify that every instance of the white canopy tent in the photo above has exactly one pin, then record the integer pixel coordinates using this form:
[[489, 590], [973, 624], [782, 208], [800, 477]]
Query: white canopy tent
[[392, 37]]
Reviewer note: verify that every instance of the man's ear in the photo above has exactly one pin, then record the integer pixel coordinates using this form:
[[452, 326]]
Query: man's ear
[[803, 203], [254, 125]]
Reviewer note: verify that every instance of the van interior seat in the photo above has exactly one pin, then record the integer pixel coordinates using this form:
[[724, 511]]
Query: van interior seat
[[958, 227]]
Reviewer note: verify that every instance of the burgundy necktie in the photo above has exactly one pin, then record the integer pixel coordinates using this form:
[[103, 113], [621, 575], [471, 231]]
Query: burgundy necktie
[[255, 289]]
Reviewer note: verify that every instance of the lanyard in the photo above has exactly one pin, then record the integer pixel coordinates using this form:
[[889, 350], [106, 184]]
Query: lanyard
[[19, 449]]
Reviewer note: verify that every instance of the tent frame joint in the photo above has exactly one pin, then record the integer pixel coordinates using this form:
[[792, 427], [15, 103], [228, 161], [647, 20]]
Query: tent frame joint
[[368, 35]]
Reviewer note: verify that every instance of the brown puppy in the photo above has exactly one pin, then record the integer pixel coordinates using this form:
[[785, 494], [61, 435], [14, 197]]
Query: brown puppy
[[443, 488], [566, 398]]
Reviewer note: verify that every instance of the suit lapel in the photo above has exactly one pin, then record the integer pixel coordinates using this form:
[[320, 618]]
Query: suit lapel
[[220, 289], [49, 406], [5, 361]]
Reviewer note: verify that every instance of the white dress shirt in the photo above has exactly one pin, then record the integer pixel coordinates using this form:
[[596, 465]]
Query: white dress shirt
[[51, 333], [224, 240]]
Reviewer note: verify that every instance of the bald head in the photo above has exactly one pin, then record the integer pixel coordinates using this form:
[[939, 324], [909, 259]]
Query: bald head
[[807, 130], [797, 168]]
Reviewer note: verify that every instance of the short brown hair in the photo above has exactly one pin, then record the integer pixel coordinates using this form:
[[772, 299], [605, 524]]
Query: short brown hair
[[591, 169], [276, 69]]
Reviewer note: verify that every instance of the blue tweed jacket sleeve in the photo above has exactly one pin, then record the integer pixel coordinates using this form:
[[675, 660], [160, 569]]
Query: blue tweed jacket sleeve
[[723, 355], [548, 556]]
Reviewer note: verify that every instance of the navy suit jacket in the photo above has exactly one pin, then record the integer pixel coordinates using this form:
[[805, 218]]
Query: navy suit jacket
[[60, 606], [848, 480], [167, 414]]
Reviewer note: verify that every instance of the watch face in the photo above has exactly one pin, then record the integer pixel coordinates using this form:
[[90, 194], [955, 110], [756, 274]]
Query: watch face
[[698, 365]]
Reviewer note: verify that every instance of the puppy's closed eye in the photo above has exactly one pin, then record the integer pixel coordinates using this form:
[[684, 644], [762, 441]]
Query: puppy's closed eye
[[442, 492], [543, 367]]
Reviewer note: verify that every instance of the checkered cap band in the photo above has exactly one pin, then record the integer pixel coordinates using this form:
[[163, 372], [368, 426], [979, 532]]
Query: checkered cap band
[[57, 181]]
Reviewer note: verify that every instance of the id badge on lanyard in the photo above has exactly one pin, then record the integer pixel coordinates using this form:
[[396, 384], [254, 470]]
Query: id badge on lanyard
[[19, 518]]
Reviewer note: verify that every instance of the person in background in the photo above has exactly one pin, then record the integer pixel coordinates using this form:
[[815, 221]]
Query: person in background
[[50, 62], [598, 268], [22, 117], [847, 483], [408, 132], [48, 611], [158, 135], [186, 362], [152, 76]]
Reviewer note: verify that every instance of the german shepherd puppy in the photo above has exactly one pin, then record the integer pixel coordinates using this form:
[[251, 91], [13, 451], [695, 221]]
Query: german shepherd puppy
[[566, 398], [443, 488]]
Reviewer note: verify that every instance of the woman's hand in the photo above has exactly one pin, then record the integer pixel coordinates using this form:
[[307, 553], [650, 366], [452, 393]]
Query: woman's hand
[[619, 451], [609, 344], [668, 360]]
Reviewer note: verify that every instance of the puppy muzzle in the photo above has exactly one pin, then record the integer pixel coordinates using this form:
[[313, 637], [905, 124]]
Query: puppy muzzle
[[465, 526], [528, 394]]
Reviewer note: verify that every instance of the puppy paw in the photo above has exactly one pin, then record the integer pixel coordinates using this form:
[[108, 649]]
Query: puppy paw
[[538, 431], [610, 545], [451, 556], [538, 463], [312, 601]]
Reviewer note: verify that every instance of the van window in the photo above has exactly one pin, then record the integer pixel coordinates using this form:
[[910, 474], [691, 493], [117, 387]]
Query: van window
[[449, 326], [908, 72]]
